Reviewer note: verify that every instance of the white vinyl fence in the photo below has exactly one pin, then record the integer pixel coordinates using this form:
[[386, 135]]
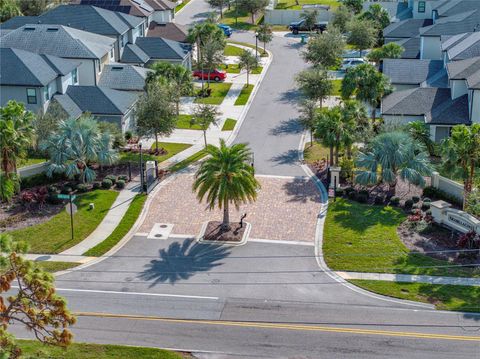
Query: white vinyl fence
[[446, 185]]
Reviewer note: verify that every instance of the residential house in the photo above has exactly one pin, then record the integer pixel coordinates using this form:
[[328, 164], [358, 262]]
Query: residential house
[[123, 28], [169, 31], [460, 47], [158, 49], [397, 10], [103, 103], [124, 77], [407, 74], [34, 79], [91, 50]]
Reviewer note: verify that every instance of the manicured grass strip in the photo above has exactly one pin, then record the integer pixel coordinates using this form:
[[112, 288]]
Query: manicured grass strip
[[34, 349], [219, 91], [244, 95], [244, 19], [363, 238], [246, 44], [184, 123], [122, 229], [315, 152], [231, 68], [231, 50], [229, 124], [292, 4], [444, 297], [337, 87], [257, 71], [51, 266], [171, 148], [188, 161], [181, 6], [53, 236]]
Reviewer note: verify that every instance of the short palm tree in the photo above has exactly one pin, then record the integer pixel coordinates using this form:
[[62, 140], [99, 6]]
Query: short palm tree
[[75, 146], [390, 156], [421, 132], [226, 178]]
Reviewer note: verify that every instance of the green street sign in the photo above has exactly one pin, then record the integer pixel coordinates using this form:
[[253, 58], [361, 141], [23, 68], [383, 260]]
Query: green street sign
[[66, 196]]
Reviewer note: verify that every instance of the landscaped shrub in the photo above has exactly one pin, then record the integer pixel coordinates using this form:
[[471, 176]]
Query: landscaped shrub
[[408, 204], [437, 194], [52, 198], [82, 188], [364, 192], [339, 192], [66, 189], [415, 199], [123, 178], [128, 135], [425, 206], [362, 198], [40, 179], [112, 178], [348, 190], [379, 200], [395, 201], [96, 185], [426, 199], [416, 206], [107, 184], [120, 184], [52, 189], [352, 195], [428, 212]]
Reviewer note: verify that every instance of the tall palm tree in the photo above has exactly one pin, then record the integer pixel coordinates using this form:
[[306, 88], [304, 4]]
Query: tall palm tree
[[326, 127], [226, 178], [390, 156], [75, 146], [461, 153], [355, 114]]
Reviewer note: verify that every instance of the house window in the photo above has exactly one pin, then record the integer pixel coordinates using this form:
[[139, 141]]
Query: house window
[[46, 91], [31, 96], [421, 6], [75, 76]]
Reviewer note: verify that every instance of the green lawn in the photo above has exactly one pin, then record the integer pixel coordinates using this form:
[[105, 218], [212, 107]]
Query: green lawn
[[234, 69], [363, 238], [183, 123], [34, 349], [444, 297], [292, 4], [181, 6], [171, 148], [337, 87], [231, 50], [219, 91], [316, 152], [246, 44], [30, 161], [242, 99], [53, 236], [244, 19], [187, 161], [51, 266], [122, 229], [229, 124]]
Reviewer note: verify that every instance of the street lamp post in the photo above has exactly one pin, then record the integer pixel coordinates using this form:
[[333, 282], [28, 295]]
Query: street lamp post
[[256, 45], [141, 168]]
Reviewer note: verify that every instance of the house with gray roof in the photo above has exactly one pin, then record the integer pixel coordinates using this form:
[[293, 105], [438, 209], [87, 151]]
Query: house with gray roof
[[124, 77], [461, 46], [105, 104], [34, 79], [159, 49], [91, 50], [169, 31], [411, 73], [405, 29], [121, 27]]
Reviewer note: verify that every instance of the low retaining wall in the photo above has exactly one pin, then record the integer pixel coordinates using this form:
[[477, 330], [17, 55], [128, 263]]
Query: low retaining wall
[[446, 185]]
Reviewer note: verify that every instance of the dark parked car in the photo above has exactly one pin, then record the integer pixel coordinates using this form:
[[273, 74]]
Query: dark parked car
[[298, 26]]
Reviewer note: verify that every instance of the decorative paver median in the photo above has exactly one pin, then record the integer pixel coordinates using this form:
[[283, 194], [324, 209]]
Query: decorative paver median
[[286, 209]]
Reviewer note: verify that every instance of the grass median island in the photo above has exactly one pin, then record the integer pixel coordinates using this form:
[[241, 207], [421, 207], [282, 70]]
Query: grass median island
[[444, 297], [219, 91], [126, 223], [315, 152], [187, 161], [52, 266], [363, 238], [53, 236], [292, 4], [229, 124], [172, 149], [181, 6], [242, 99], [34, 349], [337, 87], [231, 50], [184, 123]]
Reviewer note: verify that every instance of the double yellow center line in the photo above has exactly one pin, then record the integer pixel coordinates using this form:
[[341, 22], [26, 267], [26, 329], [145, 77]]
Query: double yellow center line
[[284, 326]]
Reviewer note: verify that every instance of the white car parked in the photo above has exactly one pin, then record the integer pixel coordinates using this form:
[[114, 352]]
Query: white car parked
[[353, 62]]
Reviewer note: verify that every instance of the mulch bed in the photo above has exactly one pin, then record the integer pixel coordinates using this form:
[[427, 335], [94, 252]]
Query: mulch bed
[[435, 238], [214, 232], [17, 216]]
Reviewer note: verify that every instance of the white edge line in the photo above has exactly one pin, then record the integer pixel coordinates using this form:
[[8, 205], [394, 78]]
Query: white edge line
[[132, 293], [277, 241], [318, 241]]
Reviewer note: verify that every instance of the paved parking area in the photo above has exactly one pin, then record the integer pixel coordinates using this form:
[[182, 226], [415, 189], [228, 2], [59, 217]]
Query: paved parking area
[[286, 209]]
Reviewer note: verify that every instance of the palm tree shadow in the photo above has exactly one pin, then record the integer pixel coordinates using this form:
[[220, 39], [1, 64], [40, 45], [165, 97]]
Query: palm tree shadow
[[181, 261], [301, 190], [286, 127], [288, 157]]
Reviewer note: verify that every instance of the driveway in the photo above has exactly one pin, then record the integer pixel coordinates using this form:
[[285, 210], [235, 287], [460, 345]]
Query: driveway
[[286, 209]]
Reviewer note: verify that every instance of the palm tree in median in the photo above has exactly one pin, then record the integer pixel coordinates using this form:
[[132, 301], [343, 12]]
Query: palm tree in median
[[225, 178]]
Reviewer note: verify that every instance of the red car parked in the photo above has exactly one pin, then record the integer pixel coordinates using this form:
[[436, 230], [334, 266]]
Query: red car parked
[[215, 75]]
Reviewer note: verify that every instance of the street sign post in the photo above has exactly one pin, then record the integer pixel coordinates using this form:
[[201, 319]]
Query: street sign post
[[71, 208]]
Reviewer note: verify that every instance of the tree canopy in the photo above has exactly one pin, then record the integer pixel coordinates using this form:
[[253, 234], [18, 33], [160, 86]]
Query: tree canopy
[[325, 49], [354, 6], [252, 6], [363, 34], [341, 17], [265, 34], [249, 62], [315, 84]]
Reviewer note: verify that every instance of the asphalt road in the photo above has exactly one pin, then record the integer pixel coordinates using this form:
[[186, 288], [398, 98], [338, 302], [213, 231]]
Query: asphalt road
[[195, 11], [258, 300]]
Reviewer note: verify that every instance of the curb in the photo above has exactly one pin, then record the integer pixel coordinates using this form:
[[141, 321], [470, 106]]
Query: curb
[[246, 234], [319, 240]]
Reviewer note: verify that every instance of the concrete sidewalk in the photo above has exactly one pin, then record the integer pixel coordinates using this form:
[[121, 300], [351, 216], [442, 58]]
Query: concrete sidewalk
[[411, 278]]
